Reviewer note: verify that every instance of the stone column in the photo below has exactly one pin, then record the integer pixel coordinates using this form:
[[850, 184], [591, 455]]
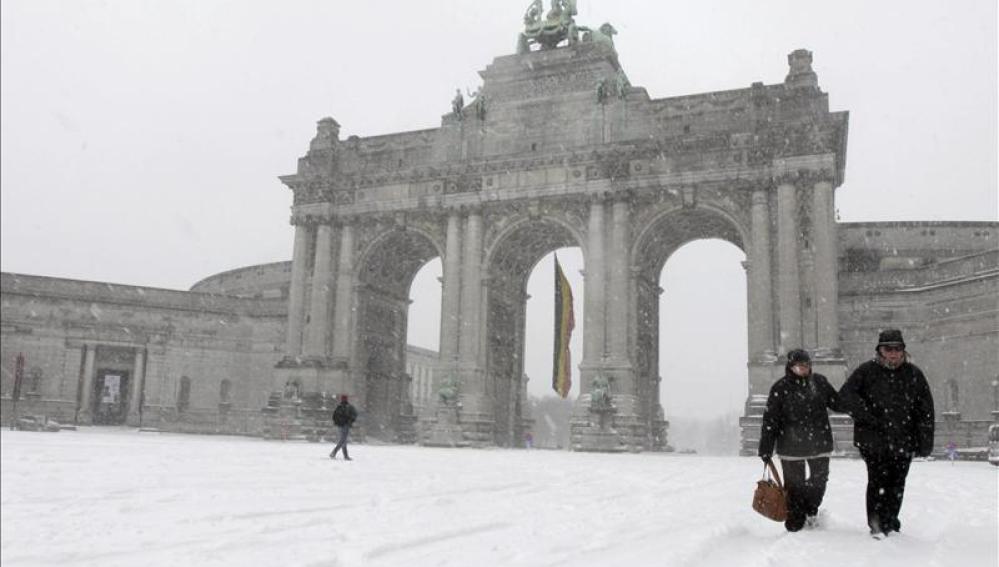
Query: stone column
[[322, 277], [344, 308], [788, 280], [826, 265], [617, 294], [477, 409], [88, 385], [451, 293], [138, 386], [593, 301], [471, 290], [761, 333], [296, 293]]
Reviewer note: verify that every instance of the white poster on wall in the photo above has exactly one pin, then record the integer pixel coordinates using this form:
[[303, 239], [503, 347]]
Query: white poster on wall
[[112, 385]]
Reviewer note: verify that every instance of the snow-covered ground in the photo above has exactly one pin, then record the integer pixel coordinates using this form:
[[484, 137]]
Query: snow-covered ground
[[119, 497]]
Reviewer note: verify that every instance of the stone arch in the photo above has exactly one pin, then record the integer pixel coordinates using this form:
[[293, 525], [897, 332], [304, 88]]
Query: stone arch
[[673, 226], [665, 232], [519, 222], [514, 253], [384, 274]]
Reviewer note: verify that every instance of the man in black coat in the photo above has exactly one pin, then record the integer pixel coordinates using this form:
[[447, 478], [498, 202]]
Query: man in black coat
[[796, 420], [892, 409], [343, 417]]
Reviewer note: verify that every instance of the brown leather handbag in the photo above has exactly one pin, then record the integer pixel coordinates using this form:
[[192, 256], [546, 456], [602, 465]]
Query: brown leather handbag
[[770, 498]]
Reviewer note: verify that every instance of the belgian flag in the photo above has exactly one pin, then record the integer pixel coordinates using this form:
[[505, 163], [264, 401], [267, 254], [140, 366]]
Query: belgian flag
[[565, 321]]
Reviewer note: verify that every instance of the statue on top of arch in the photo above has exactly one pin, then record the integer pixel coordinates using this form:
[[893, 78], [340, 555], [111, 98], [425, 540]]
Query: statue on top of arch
[[558, 25]]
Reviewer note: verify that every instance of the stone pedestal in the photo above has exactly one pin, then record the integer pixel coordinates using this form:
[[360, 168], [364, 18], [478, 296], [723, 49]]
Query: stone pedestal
[[592, 429], [312, 375], [446, 429], [750, 424], [308, 417]]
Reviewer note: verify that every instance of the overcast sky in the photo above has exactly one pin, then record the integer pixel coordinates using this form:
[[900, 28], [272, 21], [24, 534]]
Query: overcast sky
[[142, 140]]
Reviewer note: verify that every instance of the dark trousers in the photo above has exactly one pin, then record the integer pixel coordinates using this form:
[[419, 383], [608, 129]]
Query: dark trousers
[[804, 495], [342, 443], [886, 472]]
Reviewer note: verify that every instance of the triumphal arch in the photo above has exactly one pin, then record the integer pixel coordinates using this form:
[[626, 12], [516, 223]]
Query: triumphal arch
[[558, 149]]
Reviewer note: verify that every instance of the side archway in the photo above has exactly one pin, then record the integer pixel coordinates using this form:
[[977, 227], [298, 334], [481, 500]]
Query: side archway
[[385, 271], [665, 232]]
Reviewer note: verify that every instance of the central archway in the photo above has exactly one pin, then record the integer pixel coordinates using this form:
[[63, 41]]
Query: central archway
[[510, 260]]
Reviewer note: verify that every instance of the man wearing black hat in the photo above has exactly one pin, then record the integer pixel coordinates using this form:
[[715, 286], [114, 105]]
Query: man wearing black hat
[[796, 424], [343, 417], [892, 409]]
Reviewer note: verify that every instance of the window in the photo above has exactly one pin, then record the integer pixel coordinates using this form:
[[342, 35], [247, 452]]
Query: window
[[953, 395], [35, 380], [224, 388], [184, 395]]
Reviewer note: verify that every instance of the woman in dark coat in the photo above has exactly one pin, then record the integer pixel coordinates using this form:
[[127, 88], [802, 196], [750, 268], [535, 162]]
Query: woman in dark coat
[[796, 420]]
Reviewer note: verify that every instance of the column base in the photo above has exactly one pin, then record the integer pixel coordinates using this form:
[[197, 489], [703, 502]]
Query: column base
[[308, 417], [446, 429], [607, 426], [831, 364]]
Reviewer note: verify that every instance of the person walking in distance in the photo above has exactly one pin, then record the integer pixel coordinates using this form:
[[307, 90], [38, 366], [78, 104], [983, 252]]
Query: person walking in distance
[[796, 421], [892, 409], [343, 417]]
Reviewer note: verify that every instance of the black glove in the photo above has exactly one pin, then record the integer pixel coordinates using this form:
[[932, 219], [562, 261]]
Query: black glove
[[766, 458]]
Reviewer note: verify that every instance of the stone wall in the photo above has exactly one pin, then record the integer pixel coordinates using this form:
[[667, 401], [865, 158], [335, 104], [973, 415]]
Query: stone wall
[[262, 281], [163, 335], [939, 283]]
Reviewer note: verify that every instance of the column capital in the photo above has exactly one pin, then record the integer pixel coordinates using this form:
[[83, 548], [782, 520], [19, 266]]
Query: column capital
[[344, 220], [812, 177], [804, 177], [786, 178], [310, 220], [470, 209], [597, 198]]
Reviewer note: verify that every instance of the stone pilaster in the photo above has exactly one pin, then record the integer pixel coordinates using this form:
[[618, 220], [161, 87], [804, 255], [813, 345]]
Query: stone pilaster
[[138, 388], [826, 268], [471, 290], [296, 293], [788, 278], [617, 296], [344, 306], [758, 277], [476, 411], [594, 309], [451, 292], [319, 310], [84, 413]]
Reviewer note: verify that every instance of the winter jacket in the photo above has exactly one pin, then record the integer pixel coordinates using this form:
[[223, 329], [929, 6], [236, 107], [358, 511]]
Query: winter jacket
[[796, 418], [344, 414], [892, 409]]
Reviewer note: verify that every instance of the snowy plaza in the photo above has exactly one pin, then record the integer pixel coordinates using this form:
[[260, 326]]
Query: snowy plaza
[[110, 497]]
